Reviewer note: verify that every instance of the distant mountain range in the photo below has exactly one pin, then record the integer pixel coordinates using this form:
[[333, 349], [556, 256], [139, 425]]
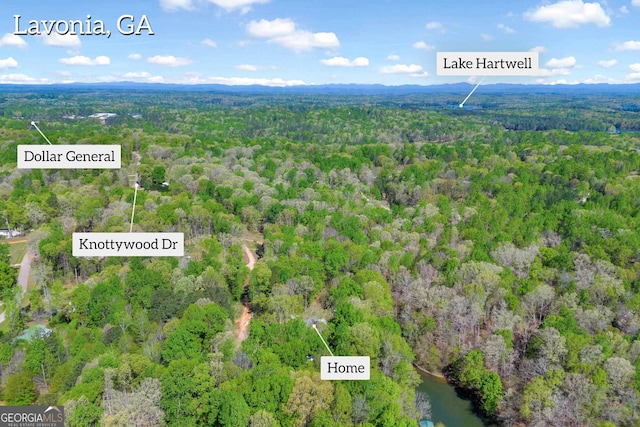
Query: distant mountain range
[[337, 89]]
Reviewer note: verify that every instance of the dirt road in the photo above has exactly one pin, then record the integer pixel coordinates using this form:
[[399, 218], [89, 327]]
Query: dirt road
[[242, 325], [25, 270], [249, 257], [23, 276], [242, 322]]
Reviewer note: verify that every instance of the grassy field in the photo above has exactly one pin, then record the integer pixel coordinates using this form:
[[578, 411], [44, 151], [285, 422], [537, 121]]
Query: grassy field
[[17, 250]]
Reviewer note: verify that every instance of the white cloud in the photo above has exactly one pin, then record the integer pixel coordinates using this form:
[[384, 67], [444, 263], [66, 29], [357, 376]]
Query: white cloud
[[539, 49], [634, 76], [135, 56], [401, 69], [506, 29], [543, 72], [13, 40], [209, 42], [393, 58], [340, 61], [176, 4], [168, 60], [196, 78], [270, 29], [475, 79], [607, 64], [85, 60], [570, 14], [624, 9], [568, 62], [186, 79], [8, 63], [411, 70], [60, 40], [558, 67], [243, 5], [573, 82], [286, 33], [635, 3], [486, 37], [138, 75], [434, 26], [251, 67], [303, 40], [423, 46], [241, 81], [599, 79], [555, 82], [247, 67], [628, 45], [21, 79]]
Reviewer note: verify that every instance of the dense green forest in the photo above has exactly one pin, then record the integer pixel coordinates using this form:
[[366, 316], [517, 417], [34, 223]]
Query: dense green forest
[[499, 245]]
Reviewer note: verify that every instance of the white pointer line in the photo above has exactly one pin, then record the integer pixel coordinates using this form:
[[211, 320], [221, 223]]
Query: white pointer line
[[473, 90], [323, 341], [38, 129], [133, 209]]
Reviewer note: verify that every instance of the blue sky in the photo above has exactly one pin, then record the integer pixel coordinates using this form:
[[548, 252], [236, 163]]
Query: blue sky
[[286, 42]]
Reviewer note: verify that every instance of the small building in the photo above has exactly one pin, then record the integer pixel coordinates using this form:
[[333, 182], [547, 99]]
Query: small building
[[7, 233], [34, 332], [103, 117]]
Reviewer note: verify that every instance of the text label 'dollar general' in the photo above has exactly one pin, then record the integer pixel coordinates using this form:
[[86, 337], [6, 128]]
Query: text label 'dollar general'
[[69, 157]]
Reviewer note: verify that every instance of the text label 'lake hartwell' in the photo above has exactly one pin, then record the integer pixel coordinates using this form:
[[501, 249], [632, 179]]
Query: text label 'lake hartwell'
[[487, 64]]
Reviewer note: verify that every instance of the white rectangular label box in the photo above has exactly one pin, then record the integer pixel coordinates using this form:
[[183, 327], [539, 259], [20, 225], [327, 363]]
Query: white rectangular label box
[[127, 244], [69, 157], [487, 64], [345, 367]]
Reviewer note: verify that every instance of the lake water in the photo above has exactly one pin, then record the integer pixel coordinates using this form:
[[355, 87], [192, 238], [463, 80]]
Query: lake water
[[446, 406]]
